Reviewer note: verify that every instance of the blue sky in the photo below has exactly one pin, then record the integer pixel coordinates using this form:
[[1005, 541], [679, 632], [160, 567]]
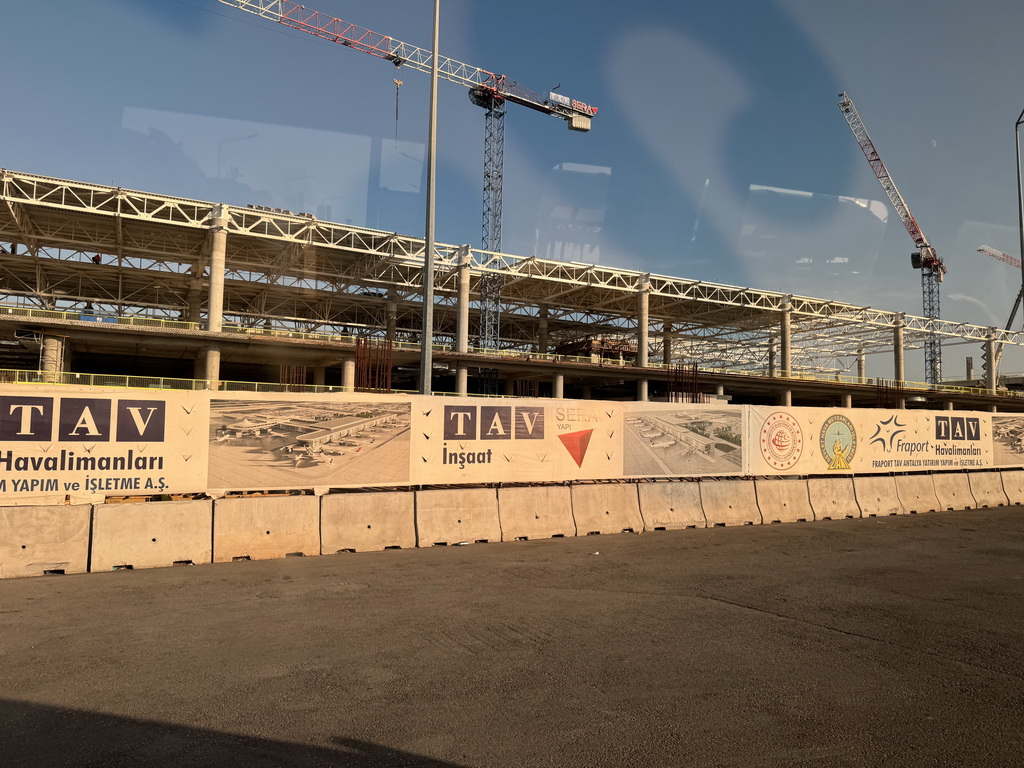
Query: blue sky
[[718, 152]]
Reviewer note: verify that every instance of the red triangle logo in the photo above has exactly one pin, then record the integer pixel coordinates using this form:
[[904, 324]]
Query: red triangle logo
[[576, 444]]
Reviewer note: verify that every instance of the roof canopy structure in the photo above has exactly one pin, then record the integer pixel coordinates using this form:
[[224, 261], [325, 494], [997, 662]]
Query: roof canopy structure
[[73, 244]]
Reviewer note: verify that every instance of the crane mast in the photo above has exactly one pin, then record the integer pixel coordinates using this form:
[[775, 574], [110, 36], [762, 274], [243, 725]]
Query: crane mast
[[487, 89], [933, 271]]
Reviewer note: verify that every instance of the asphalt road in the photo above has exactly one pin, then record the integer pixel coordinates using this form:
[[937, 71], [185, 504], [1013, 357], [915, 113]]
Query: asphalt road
[[875, 642]]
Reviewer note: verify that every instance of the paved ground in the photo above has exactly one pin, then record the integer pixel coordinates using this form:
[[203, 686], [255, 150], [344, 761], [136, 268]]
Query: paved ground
[[875, 642]]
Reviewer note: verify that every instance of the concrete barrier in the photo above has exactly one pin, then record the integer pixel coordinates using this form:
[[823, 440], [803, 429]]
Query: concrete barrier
[[783, 500], [538, 512], [877, 496], [39, 540], [671, 506], [365, 522], [833, 498], [729, 502], [265, 527], [1013, 485], [457, 516], [606, 508], [987, 489], [151, 534], [917, 493], [953, 490]]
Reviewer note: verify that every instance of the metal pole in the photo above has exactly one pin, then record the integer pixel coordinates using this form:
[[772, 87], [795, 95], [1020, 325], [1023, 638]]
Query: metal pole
[[427, 342], [1020, 205]]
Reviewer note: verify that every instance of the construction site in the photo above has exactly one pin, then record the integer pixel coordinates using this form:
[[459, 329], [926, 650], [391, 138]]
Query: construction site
[[103, 285]]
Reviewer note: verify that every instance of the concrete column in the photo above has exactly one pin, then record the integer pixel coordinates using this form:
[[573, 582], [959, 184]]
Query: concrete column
[[786, 336], [897, 348], [643, 331], [542, 331], [847, 401], [948, 405], [993, 409], [666, 345], [643, 322], [462, 309], [862, 366], [558, 386], [319, 375], [773, 358], [786, 398], [218, 260], [52, 358], [720, 390], [194, 310], [211, 368], [391, 318], [348, 373], [461, 379]]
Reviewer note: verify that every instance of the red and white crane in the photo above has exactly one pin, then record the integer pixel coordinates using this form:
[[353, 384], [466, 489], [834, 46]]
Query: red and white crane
[[998, 255], [933, 271], [486, 89]]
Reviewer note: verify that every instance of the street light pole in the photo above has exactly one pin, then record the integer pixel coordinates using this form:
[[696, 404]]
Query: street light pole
[[1020, 209], [427, 341]]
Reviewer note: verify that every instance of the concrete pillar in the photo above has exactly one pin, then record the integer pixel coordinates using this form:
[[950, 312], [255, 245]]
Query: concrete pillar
[[643, 322], [542, 331], [948, 405], [993, 409], [786, 398], [720, 390], [211, 368], [319, 375], [194, 310], [862, 366], [461, 379], [786, 336], [52, 358], [643, 331], [773, 358], [897, 348], [847, 401], [991, 372], [462, 308], [558, 386], [391, 318], [666, 345], [218, 260], [348, 373]]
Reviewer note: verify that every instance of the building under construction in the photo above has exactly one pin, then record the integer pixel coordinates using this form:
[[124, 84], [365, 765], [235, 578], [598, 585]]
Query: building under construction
[[108, 286]]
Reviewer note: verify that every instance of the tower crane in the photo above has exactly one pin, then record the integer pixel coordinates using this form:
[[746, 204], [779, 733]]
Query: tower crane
[[486, 89], [998, 255], [933, 271]]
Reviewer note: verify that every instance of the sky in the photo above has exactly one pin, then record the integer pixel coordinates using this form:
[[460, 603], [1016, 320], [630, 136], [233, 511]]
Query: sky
[[718, 152]]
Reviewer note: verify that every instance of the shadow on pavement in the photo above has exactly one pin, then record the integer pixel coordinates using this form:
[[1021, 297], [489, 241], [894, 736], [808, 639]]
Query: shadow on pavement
[[42, 736]]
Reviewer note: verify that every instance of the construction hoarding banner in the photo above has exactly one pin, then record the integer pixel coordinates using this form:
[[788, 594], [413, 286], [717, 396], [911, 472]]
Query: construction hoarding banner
[[81, 445], [806, 441]]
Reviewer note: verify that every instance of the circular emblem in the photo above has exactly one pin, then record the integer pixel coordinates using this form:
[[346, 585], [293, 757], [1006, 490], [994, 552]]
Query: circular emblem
[[782, 442], [838, 441]]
